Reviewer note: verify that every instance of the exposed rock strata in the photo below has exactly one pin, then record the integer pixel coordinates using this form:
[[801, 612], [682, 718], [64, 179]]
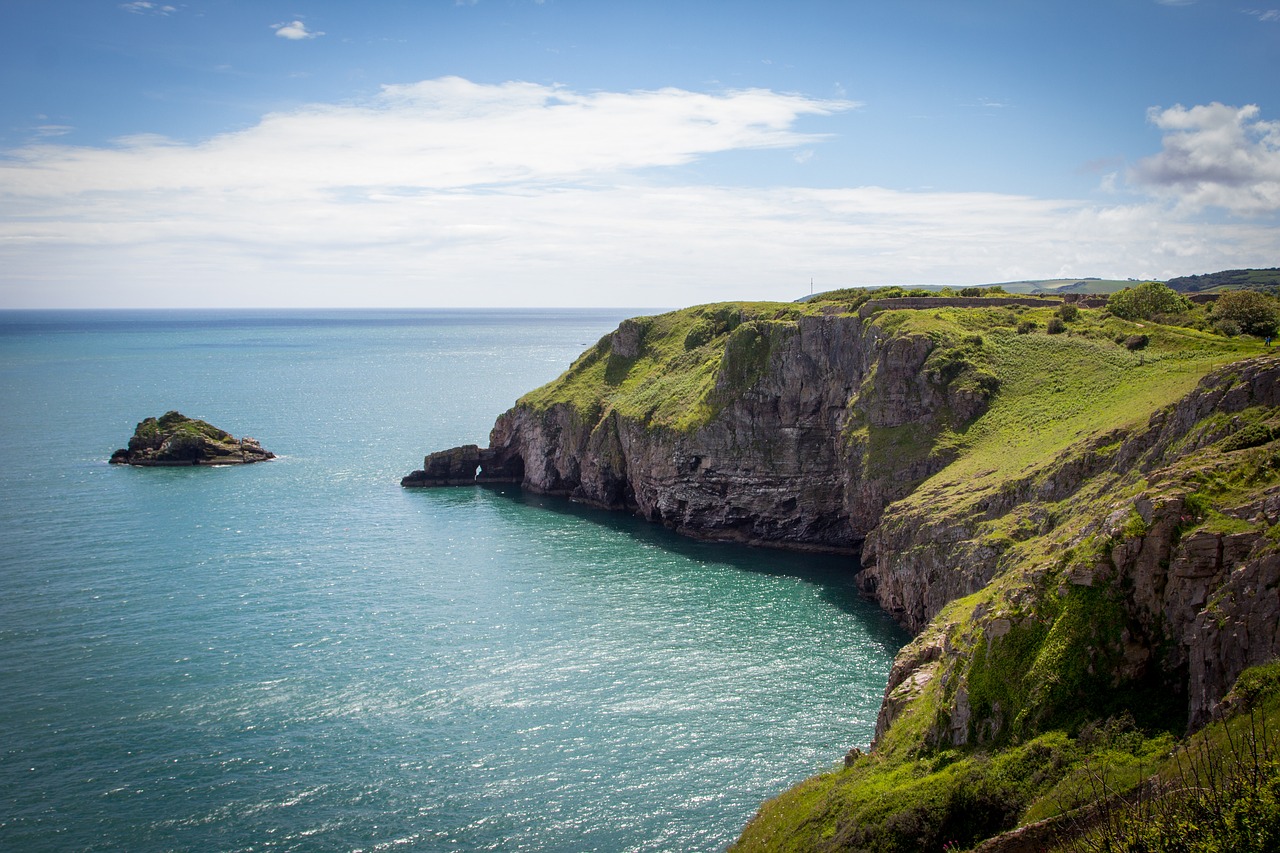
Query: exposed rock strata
[[823, 450], [784, 463], [1197, 609], [173, 439]]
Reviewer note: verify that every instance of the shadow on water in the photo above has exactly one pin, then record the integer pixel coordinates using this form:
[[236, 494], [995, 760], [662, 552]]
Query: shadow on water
[[832, 575]]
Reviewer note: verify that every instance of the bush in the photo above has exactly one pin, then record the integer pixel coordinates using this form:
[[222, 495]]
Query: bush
[[1056, 326], [1069, 313], [1146, 300], [1216, 801], [1248, 311], [1026, 327], [1226, 328]]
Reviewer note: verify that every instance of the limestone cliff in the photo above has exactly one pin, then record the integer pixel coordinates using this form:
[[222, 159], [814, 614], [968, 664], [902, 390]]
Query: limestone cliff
[[782, 455], [1077, 526]]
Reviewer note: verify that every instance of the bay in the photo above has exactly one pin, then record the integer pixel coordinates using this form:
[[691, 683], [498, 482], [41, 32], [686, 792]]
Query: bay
[[301, 655]]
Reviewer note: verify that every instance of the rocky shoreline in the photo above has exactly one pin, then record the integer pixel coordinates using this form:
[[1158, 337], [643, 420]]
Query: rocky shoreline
[[1108, 550]]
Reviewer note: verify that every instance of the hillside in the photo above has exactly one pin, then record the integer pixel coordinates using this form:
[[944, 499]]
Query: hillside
[[1079, 527], [1227, 280]]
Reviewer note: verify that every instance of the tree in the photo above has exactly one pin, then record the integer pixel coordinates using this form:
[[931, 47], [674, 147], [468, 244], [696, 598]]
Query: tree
[[1251, 312], [1147, 300]]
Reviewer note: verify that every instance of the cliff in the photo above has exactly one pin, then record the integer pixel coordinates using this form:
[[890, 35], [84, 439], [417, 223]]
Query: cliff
[[1080, 528], [175, 439]]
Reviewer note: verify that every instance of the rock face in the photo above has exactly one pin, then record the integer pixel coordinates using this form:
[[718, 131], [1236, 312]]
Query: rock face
[[822, 432], [174, 439], [784, 463], [1187, 595]]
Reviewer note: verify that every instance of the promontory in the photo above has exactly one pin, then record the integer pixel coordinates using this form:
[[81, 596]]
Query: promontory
[[175, 439], [1074, 506]]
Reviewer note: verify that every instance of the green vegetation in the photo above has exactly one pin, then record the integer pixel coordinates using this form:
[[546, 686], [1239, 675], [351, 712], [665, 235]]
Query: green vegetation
[[1109, 786], [1035, 698], [1253, 279], [1246, 311], [1037, 695], [676, 370], [1147, 301], [1217, 793], [176, 422], [1060, 390]]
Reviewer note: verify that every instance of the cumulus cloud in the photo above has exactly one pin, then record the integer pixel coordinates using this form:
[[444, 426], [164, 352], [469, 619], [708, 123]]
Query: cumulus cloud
[[294, 31], [1215, 156], [449, 192]]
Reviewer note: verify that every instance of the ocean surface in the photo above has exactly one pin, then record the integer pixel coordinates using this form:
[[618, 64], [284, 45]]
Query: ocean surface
[[301, 655]]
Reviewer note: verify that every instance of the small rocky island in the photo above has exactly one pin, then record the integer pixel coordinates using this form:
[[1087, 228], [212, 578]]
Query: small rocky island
[[175, 439]]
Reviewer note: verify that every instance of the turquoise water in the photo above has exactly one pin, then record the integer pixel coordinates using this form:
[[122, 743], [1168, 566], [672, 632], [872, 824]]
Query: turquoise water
[[301, 655]]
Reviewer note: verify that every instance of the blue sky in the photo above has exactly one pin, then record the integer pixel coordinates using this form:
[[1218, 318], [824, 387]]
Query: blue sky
[[512, 152]]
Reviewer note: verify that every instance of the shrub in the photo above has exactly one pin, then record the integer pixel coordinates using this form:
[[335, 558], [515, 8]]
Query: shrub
[[1146, 300], [1056, 326], [1069, 313], [1252, 313], [1217, 800], [1225, 327], [1251, 435], [1136, 342], [1027, 326]]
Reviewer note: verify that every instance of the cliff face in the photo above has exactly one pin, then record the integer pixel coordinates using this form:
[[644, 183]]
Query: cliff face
[[782, 462], [1169, 530], [1074, 530]]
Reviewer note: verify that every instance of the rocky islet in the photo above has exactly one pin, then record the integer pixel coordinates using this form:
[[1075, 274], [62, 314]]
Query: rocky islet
[[173, 439]]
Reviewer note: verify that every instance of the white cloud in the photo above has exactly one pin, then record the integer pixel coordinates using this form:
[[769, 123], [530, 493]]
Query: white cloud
[[294, 31], [448, 192], [143, 7], [1270, 16], [1215, 156]]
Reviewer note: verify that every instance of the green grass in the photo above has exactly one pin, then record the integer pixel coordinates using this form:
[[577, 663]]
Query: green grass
[[1221, 789], [690, 363], [1056, 391], [1051, 677], [1217, 792]]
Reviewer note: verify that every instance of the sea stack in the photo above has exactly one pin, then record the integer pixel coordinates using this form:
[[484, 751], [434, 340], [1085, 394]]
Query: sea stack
[[175, 439]]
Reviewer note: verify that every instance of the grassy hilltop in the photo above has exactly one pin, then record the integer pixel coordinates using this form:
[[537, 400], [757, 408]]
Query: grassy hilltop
[[1047, 699]]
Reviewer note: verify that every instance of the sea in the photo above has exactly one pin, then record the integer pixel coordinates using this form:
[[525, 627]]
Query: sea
[[302, 655]]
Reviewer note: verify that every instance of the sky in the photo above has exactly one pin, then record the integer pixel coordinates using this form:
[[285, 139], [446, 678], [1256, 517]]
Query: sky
[[513, 153]]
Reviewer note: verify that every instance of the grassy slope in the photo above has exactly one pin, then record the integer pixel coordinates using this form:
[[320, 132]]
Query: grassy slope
[[672, 382], [1058, 395], [1218, 790], [1057, 391]]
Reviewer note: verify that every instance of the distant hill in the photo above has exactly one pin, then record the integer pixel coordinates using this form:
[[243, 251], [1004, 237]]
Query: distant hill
[[1227, 280], [1251, 279], [1031, 286], [1067, 285]]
